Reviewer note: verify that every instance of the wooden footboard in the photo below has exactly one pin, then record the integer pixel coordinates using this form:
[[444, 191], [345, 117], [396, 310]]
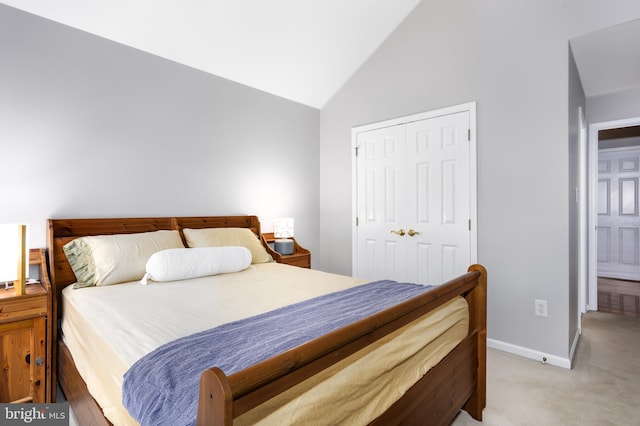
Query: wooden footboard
[[458, 381]]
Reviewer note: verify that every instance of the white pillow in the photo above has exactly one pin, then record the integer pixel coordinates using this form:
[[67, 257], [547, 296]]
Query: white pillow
[[182, 264], [112, 259], [219, 237]]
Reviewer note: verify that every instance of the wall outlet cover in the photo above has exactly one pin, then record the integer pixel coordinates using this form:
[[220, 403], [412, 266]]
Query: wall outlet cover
[[541, 308]]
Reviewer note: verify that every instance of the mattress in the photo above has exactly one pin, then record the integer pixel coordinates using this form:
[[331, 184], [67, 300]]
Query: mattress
[[109, 328]]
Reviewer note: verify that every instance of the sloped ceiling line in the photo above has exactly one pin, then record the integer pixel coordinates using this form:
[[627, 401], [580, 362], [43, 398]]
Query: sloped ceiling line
[[302, 50]]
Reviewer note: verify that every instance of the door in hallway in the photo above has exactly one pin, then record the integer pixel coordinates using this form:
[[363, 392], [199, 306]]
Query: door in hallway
[[618, 219]]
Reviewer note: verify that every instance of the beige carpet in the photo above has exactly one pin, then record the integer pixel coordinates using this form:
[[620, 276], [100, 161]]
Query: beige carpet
[[603, 388]]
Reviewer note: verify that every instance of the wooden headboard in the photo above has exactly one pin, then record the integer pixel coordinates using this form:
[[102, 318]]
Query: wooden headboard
[[61, 231]]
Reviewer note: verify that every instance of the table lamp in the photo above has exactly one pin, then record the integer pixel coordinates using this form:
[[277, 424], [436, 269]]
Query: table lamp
[[282, 232], [14, 258]]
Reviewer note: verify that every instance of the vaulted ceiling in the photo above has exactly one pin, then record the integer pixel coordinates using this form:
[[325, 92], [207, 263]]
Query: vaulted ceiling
[[303, 50]]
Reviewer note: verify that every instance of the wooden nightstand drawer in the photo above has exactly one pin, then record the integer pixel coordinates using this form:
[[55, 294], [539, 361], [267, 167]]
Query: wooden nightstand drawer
[[303, 260], [13, 308]]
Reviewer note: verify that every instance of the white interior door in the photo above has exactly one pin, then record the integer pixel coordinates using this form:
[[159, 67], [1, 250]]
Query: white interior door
[[438, 199], [414, 202], [381, 196], [618, 231]]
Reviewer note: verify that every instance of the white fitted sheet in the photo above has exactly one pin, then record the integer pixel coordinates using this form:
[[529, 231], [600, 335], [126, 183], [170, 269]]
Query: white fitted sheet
[[107, 329]]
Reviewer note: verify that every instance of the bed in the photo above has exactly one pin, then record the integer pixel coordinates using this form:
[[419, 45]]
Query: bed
[[456, 381]]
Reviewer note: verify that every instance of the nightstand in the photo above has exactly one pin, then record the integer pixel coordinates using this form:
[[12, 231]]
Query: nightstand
[[301, 256], [24, 342]]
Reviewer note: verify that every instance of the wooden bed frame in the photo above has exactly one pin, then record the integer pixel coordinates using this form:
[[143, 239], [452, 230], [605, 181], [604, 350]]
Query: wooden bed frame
[[457, 382]]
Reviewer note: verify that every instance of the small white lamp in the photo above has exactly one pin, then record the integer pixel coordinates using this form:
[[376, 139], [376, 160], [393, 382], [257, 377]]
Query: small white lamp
[[282, 231], [13, 256]]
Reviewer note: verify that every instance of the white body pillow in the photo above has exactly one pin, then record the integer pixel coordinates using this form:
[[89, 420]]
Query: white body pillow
[[185, 263]]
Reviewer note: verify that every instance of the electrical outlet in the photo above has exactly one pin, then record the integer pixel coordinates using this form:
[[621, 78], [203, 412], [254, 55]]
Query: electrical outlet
[[541, 308]]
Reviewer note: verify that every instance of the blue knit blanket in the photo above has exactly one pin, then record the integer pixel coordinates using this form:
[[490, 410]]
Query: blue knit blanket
[[162, 387]]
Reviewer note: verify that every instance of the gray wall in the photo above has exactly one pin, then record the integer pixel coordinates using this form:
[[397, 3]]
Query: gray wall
[[92, 128], [512, 58]]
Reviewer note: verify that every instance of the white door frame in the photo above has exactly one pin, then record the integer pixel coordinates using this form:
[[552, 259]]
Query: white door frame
[[592, 302], [583, 208], [473, 174]]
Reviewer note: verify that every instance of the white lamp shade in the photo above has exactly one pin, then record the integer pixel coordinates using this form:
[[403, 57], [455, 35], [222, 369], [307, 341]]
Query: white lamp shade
[[283, 228], [11, 244]]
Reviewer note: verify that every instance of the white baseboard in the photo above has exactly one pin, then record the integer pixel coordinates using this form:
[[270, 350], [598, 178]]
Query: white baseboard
[[531, 354]]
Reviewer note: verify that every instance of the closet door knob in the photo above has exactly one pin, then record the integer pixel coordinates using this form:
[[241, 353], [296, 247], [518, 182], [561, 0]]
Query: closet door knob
[[412, 232], [398, 232]]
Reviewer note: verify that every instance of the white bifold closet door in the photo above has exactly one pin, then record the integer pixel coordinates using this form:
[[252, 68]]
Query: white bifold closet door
[[413, 200]]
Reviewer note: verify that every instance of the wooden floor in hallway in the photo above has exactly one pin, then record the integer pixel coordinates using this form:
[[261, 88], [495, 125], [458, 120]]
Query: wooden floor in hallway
[[619, 296]]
